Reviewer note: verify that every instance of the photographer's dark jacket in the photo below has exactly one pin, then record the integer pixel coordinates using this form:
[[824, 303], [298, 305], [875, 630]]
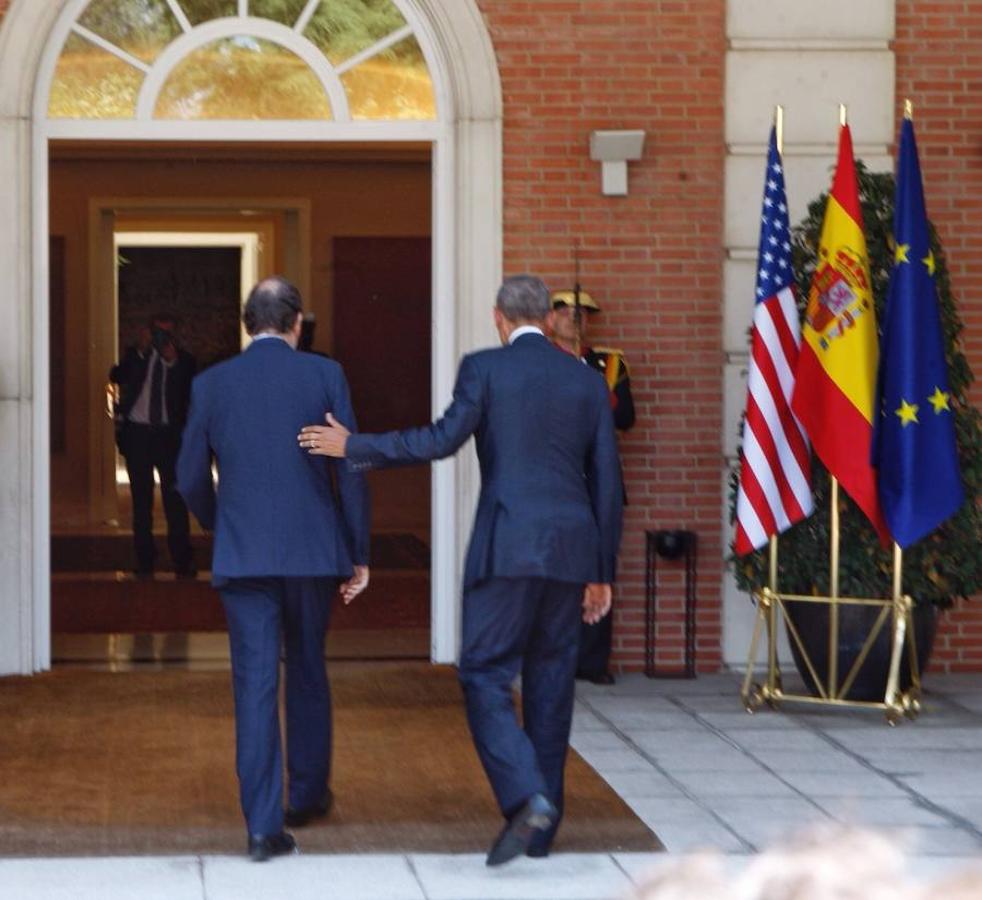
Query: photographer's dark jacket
[[131, 373]]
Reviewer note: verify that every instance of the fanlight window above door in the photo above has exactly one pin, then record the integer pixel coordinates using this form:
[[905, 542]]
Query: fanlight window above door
[[324, 60]]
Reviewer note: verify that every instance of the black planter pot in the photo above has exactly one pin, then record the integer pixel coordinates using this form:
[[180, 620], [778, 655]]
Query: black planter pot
[[855, 622]]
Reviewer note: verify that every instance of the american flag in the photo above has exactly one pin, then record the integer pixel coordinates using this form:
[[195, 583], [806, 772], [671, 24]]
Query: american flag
[[775, 471]]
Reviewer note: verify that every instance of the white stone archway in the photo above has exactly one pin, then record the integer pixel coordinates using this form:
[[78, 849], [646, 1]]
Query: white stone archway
[[467, 242]]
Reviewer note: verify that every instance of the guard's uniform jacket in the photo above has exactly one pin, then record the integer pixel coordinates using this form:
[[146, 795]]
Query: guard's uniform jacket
[[611, 364]]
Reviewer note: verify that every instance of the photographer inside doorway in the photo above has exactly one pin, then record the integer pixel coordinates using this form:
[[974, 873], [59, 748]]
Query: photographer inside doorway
[[154, 378]]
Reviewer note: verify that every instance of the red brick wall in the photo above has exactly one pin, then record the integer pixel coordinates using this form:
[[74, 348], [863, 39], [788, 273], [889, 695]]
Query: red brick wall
[[652, 260], [939, 66]]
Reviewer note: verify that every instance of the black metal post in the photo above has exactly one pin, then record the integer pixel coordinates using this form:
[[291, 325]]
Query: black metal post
[[670, 545]]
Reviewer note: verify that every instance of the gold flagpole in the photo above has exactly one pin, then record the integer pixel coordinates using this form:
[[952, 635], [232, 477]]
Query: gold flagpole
[[772, 676], [834, 554], [901, 604], [834, 588], [767, 602]]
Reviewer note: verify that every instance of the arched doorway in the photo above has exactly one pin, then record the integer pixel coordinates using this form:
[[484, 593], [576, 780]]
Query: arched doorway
[[168, 98]]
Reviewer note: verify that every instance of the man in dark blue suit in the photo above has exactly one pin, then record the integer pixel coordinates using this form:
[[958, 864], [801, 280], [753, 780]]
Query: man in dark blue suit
[[284, 544], [154, 379], [542, 552]]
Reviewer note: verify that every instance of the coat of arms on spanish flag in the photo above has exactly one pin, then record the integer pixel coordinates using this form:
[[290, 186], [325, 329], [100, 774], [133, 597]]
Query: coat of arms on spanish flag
[[835, 379]]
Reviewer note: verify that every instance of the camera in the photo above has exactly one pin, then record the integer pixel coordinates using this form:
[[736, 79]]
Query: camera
[[161, 339]]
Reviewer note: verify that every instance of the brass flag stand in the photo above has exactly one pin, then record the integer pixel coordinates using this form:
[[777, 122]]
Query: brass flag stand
[[771, 607]]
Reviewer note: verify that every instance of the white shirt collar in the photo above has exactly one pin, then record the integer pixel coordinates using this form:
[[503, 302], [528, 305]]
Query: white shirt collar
[[522, 330], [266, 335]]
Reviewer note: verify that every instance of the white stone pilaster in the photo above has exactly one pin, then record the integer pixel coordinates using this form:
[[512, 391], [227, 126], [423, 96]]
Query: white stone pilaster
[[16, 443], [808, 57]]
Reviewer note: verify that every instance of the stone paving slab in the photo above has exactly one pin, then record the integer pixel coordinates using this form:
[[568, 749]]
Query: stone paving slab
[[947, 783], [915, 762], [104, 878], [584, 876], [966, 807], [943, 841], [910, 737], [831, 760], [367, 877], [797, 740], [655, 721], [712, 785], [852, 784], [649, 783], [703, 759], [763, 824], [882, 812], [971, 701], [615, 761], [741, 721], [700, 835], [686, 824]]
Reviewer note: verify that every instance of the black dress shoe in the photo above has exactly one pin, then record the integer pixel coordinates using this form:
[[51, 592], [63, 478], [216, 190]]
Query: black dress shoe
[[297, 818], [537, 815], [263, 846], [537, 852], [595, 677]]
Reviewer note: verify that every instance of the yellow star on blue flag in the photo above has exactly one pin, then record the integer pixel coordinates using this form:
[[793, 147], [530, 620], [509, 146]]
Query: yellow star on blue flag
[[916, 456]]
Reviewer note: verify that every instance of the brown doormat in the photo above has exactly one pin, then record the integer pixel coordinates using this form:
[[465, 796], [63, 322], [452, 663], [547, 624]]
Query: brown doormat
[[117, 603], [97, 763], [110, 552]]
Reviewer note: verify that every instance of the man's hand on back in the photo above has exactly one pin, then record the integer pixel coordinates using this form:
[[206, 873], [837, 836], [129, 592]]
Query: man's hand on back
[[325, 440]]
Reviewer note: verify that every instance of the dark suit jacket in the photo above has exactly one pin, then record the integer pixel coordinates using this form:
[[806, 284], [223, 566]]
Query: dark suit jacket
[[131, 373], [275, 512], [551, 495]]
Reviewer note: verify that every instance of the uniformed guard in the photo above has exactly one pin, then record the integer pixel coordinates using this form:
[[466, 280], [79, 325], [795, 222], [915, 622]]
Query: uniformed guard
[[572, 311], [570, 335]]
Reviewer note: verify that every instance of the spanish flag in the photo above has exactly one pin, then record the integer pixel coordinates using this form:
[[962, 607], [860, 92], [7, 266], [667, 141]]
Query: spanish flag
[[835, 379]]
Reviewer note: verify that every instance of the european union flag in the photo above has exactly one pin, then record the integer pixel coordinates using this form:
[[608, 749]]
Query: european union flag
[[914, 448]]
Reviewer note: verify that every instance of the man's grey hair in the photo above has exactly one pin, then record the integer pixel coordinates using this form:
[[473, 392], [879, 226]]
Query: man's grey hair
[[273, 304], [523, 297]]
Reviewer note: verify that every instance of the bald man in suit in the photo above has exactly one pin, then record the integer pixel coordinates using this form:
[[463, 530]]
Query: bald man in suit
[[284, 547]]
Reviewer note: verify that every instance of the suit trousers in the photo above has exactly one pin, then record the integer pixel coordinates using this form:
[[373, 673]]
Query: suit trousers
[[148, 447], [265, 614], [527, 626]]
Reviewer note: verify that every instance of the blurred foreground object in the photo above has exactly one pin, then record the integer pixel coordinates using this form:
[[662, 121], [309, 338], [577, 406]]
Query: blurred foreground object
[[821, 864]]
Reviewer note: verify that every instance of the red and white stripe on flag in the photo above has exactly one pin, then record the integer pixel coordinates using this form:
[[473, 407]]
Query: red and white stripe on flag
[[775, 467]]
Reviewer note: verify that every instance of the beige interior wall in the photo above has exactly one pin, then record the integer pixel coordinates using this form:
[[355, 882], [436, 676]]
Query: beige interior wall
[[347, 198]]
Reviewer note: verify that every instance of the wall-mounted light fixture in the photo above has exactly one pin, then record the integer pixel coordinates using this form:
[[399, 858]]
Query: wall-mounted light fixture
[[613, 149]]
